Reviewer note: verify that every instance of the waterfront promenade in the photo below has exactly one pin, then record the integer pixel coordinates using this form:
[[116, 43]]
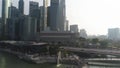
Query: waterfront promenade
[[28, 51], [36, 53]]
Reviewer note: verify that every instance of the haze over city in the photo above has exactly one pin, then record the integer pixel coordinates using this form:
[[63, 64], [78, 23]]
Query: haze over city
[[59, 33], [96, 16]]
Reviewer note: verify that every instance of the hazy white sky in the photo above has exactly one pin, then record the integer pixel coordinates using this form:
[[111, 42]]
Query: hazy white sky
[[96, 16]]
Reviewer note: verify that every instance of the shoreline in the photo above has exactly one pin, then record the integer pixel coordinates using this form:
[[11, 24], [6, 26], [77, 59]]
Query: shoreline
[[31, 58]]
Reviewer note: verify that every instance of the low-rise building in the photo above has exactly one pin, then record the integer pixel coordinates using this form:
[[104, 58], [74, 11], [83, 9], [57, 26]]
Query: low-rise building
[[74, 28], [83, 33], [114, 34], [58, 37]]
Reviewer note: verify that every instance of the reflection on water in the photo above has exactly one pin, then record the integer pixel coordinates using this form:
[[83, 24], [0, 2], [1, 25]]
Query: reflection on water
[[10, 61], [2, 62]]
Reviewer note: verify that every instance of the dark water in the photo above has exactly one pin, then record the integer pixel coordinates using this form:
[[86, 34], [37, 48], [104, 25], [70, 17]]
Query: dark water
[[11, 61]]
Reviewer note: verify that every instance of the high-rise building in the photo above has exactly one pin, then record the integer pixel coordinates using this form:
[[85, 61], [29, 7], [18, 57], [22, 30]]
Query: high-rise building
[[29, 28], [12, 28], [0, 26], [13, 12], [32, 7], [40, 24], [114, 33], [0, 20], [83, 33], [62, 15], [67, 25], [54, 8], [5, 5], [57, 15], [12, 23], [21, 6], [45, 5], [36, 12], [74, 28], [21, 26], [48, 16]]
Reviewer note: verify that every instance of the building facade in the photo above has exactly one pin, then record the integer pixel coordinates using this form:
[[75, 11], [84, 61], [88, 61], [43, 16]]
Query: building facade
[[12, 28], [32, 7], [21, 6], [64, 37], [74, 28], [83, 33], [29, 28], [54, 8], [67, 25], [61, 15], [114, 34], [57, 15], [13, 12], [36, 12], [45, 11], [5, 5]]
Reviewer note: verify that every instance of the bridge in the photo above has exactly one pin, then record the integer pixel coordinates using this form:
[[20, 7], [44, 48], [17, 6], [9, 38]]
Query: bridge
[[92, 51], [72, 60], [96, 61]]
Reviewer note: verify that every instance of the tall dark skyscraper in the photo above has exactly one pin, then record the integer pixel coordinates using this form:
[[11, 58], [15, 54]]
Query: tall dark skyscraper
[[13, 12], [54, 8], [57, 15], [33, 7], [21, 6], [35, 12]]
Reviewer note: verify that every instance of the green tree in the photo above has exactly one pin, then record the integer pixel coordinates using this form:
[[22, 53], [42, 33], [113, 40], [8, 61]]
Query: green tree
[[104, 44], [95, 40]]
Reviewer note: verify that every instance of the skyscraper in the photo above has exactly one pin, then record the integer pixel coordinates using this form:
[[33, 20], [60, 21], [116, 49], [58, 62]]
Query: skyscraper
[[21, 6], [5, 5], [29, 28], [33, 7], [58, 15], [62, 15], [45, 5], [48, 17], [13, 12], [54, 8]]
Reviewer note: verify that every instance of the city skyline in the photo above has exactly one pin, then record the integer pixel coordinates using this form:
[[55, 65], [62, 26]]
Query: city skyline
[[91, 14]]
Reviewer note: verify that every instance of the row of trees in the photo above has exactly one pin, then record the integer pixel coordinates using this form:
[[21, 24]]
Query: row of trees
[[95, 42]]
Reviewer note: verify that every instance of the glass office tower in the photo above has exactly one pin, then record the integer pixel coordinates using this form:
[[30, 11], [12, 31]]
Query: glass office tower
[[5, 5]]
